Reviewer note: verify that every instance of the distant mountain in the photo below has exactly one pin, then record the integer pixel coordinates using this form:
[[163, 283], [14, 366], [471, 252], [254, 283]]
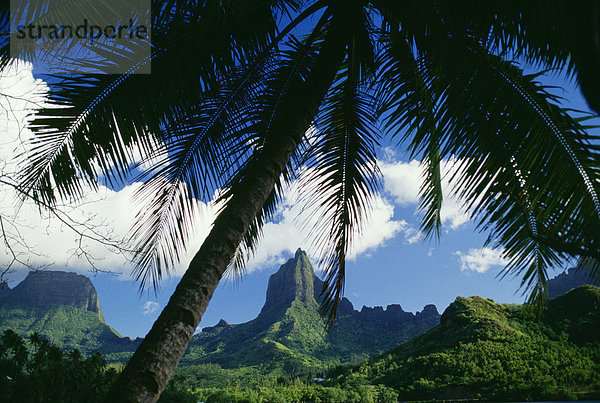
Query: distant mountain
[[567, 280], [64, 308], [43, 289], [484, 350], [289, 336]]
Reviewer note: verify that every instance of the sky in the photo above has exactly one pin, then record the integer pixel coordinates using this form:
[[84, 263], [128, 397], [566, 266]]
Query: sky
[[389, 263]]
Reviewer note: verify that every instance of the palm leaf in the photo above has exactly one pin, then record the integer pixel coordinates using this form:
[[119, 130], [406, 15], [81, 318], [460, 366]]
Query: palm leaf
[[404, 89], [191, 165], [343, 175], [512, 140], [526, 145], [103, 116], [295, 64]]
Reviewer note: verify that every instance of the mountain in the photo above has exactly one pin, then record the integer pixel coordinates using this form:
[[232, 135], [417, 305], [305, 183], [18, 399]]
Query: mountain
[[63, 307], [574, 277], [43, 289], [289, 337], [492, 351]]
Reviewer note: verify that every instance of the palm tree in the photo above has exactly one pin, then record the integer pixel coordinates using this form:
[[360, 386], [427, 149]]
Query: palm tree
[[35, 340], [233, 93]]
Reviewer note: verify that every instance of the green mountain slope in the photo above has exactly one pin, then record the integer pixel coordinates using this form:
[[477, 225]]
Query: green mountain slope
[[494, 351], [64, 308], [68, 328], [289, 338], [65, 326]]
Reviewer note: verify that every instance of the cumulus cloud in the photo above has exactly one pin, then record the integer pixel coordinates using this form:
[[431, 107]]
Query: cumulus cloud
[[112, 212], [40, 239], [109, 213], [402, 181], [296, 217], [150, 307], [480, 260], [20, 94]]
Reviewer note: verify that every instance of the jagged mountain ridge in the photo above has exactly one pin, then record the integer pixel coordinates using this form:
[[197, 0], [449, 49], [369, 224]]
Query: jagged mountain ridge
[[290, 335], [296, 280], [567, 280]]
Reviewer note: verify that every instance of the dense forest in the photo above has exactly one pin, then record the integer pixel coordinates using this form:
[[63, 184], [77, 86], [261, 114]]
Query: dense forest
[[38, 371]]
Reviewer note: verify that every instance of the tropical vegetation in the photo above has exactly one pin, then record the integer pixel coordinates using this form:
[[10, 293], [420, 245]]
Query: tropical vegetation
[[39, 371], [246, 95], [65, 326], [287, 338], [484, 350]]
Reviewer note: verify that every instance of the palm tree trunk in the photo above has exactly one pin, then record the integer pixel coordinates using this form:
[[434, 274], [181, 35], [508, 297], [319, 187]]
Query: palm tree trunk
[[152, 365]]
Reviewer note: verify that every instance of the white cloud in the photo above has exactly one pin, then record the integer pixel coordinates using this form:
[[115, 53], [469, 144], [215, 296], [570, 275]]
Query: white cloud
[[39, 238], [113, 212], [109, 212], [480, 260], [402, 181], [150, 307], [412, 235], [20, 94], [296, 217]]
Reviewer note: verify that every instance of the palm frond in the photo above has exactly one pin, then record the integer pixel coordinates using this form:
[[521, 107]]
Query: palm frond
[[101, 117], [537, 31], [295, 64], [408, 105], [512, 141], [526, 144], [343, 176], [191, 164]]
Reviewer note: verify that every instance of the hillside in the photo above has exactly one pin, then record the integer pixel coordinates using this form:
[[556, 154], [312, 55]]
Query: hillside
[[289, 338], [482, 349], [64, 308]]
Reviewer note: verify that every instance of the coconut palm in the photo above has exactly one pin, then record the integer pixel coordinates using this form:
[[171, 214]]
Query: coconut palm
[[245, 93]]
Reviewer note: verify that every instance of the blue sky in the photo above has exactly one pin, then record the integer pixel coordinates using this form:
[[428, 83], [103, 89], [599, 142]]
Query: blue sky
[[389, 265]]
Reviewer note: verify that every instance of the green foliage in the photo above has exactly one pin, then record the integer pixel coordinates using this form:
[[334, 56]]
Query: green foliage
[[38, 371], [291, 391], [65, 326], [287, 339], [501, 352], [445, 85], [481, 350]]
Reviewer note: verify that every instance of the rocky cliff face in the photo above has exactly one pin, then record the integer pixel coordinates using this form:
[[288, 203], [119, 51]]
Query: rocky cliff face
[[394, 317], [296, 280], [293, 281], [43, 289], [289, 334]]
